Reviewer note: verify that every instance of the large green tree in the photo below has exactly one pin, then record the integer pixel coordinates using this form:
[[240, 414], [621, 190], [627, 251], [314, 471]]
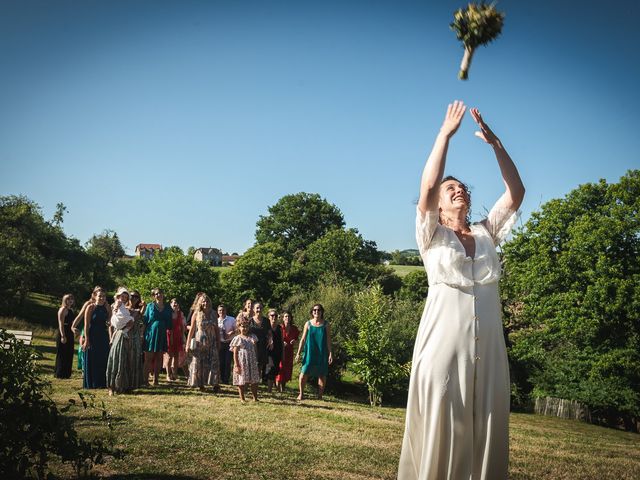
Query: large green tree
[[298, 220], [343, 255], [35, 254], [572, 298]]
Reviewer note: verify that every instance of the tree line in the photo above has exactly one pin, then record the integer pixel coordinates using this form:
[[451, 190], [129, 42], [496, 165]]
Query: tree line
[[570, 289]]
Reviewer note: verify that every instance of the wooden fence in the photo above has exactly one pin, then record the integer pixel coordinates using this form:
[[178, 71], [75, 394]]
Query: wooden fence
[[559, 407]]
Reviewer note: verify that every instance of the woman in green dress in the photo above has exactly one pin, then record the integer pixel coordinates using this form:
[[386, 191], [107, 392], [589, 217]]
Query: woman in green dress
[[317, 356], [158, 317]]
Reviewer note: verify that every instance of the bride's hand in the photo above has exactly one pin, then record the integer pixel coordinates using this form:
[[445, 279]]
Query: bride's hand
[[485, 132], [455, 112]]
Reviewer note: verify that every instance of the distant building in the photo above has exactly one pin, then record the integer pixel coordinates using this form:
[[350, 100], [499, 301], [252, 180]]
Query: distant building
[[213, 256], [229, 259], [147, 250]]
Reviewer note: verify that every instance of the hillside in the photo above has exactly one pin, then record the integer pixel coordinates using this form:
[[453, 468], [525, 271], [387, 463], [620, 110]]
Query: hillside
[[173, 431]]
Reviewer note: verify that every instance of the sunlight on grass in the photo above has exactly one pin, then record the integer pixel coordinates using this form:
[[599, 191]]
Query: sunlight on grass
[[172, 430]]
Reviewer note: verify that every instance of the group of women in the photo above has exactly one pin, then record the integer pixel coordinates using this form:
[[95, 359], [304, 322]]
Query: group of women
[[457, 418], [122, 344]]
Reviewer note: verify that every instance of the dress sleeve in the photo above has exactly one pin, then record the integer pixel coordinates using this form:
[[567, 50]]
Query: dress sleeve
[[235, 342], [425, 228], [500, 221], [147, 314]]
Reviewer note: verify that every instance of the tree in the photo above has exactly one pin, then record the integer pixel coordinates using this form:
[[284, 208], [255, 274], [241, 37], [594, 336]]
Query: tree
[[298, 220], [58, 217], [342, 255], [415, 286], [35, 254], [372, 359], [571, 293], [474, 26], [178, 275], [106, 250], [262, 273]]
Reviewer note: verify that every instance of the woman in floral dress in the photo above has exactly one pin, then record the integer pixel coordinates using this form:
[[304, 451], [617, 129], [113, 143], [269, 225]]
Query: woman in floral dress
[[204, 368]]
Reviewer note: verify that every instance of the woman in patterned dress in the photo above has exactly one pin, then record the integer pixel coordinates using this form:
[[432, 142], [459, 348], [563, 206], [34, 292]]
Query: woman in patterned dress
[[119, 373], [245, 359], [204, 368], [136, 308]]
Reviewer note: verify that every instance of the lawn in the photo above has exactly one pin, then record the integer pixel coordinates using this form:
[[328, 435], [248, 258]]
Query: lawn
[[172, 431], [402, 270]]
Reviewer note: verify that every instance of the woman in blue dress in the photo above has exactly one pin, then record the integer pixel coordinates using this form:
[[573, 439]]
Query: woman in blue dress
[[95, 347], [316, 340], [158, 317]]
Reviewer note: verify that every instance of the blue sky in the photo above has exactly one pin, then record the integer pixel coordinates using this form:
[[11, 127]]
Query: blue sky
[[181, 122]]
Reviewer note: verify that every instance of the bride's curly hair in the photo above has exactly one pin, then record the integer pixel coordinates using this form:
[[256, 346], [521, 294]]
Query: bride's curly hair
[[465, 187]]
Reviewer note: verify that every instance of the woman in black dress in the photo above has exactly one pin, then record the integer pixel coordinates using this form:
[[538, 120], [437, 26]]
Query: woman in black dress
[[275, 350], [64, 338]]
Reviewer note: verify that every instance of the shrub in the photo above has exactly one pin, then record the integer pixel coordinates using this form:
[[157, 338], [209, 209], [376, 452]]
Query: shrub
[[370, 350], [32, 429]]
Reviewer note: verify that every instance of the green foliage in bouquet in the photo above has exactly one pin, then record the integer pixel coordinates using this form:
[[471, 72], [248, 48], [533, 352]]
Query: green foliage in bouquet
[[476, 25]]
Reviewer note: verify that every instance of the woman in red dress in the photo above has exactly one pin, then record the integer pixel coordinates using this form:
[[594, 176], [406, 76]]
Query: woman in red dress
[[290, 334], [175, 343]]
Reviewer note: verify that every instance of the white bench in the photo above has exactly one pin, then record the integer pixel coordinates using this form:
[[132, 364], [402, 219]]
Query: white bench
[[22, 335]]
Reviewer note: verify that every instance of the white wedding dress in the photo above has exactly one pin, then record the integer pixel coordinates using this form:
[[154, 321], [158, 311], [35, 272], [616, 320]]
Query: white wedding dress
[[457, 423]]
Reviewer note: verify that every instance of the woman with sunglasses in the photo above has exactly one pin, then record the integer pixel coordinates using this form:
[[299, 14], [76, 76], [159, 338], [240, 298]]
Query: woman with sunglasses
[[317, 356], [158, 317]]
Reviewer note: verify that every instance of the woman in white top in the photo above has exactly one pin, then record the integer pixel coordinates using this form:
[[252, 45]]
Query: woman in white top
[[457, 423], [119, 374]]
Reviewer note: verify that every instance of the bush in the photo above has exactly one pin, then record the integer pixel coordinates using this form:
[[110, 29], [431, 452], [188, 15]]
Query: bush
[[372, 357], [32, 429]]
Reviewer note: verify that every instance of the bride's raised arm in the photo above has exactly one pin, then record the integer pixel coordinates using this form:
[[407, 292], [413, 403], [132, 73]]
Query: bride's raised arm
[[434, 168], [514, 189]]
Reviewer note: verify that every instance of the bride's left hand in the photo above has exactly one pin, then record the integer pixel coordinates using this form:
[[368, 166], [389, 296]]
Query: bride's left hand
[[485, 132]]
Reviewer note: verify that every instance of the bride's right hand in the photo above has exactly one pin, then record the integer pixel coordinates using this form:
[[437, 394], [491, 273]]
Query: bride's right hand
[[453, 118]]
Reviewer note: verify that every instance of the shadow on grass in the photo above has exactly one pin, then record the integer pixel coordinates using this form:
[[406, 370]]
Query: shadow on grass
[[43, 349]]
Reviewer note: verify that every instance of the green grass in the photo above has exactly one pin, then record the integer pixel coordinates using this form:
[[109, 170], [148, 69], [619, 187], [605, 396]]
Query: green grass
[[176, 432], [402, 270], [221, 269]]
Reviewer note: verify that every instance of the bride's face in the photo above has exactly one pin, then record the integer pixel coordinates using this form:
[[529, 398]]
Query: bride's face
[[453, 196]]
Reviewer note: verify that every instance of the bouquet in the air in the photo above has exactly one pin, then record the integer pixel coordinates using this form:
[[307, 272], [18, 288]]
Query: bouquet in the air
[[476, 25]]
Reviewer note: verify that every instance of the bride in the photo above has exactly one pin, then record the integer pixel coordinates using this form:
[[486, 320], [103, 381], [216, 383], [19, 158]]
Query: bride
[[457, 423]]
